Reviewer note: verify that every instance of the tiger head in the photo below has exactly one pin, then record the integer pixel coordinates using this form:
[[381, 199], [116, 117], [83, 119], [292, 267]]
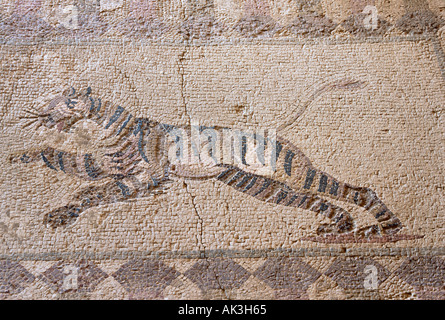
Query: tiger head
[[63, 111]]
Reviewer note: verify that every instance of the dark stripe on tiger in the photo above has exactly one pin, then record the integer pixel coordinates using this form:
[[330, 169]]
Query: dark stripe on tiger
[[137, 127], [309, 178], [281, 196], [25, 158], [263, 187], [323, 183], [155, 181], [99, 105], [91, 171], [251, 184], [124, 124], [288, 162], [356, 197], [381, 213], [125, 190], [224, 174], [141, 147], [302, 201], [60, 160], [334, 188], [323, 207], [238, 175], [92, 104], [115, 116], [294, 197], [48, 164], [244, 181]]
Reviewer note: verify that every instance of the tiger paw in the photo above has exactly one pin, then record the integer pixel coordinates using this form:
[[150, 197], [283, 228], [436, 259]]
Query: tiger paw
[[62, 216], [327, 229], [335, 228], [368, 232]]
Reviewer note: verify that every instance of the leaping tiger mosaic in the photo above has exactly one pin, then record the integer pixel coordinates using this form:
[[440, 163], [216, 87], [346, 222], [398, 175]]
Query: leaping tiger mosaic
[[136, 164]]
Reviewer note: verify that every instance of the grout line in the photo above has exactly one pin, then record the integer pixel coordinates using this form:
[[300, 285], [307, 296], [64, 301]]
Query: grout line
[[229, 253], [219, 42]]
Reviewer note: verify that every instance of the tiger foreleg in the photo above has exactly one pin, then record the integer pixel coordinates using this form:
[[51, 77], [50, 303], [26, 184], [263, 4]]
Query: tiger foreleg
[[93, 196]]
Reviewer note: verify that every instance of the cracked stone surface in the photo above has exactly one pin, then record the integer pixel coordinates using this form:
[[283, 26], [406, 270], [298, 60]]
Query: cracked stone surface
[[99, 100]]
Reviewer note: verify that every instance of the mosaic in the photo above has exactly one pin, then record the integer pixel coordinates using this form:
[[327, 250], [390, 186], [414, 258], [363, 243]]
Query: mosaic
[[207, 149]]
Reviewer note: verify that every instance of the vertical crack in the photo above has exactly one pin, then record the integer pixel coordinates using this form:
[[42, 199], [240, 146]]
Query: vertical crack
[[181, 73], [200, 241], [219, 284], [199, 226]]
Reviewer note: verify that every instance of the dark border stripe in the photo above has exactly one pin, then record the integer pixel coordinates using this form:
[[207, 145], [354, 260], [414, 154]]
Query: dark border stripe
[[243, 150], [278, 148]]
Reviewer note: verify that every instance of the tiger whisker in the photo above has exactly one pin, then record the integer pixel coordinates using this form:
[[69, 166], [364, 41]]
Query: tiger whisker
[[30, 123], [33, 112], [39, 124], [29, 117], [33, 109]]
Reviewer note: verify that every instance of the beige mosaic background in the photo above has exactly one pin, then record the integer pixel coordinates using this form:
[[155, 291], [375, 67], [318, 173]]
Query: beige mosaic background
[[237, 64]]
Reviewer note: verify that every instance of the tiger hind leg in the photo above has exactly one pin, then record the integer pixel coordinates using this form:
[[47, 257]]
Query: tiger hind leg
[[272, 191], [324, 185]]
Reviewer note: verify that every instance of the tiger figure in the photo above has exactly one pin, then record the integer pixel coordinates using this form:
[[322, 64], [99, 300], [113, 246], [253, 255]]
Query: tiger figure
[[136, 163]]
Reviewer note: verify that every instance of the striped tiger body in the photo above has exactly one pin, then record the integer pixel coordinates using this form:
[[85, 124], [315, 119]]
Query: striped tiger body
[[139, 156], [296, 183]]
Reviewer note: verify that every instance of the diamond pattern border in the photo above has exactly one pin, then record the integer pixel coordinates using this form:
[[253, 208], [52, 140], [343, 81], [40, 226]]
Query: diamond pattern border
[[286, 277]]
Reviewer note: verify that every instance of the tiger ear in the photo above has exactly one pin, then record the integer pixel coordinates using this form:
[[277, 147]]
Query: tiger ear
[[53, 103], [85, 92], [70, 93]]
